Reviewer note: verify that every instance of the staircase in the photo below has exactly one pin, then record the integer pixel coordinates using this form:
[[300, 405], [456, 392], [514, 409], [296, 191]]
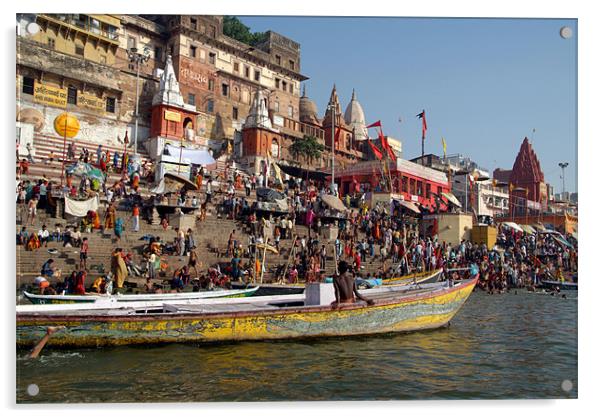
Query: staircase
[[45, 144]]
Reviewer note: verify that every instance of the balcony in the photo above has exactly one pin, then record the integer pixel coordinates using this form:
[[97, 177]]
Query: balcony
[[85, 24]]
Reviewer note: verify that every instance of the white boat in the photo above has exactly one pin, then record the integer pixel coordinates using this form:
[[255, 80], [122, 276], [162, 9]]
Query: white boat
[[120, 298]]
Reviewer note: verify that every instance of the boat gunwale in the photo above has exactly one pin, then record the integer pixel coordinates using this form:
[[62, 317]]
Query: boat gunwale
[[356, 306]]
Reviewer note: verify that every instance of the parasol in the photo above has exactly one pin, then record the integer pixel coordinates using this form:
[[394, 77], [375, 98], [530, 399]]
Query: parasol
[[269, 195], [81, 169], [333, 202]]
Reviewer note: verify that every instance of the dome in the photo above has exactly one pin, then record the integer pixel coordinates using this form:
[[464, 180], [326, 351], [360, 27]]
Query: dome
[[308, 111], [354, 117]]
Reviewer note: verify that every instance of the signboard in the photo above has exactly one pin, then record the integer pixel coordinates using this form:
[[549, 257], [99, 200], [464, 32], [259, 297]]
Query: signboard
[[173, 116], [193, 73], [414, 198], [533, 205], [90, 101], [49, 95]]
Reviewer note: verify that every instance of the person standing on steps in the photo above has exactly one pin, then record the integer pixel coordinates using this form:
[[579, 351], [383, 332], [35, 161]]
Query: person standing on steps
[[83, 255], [136, 217]]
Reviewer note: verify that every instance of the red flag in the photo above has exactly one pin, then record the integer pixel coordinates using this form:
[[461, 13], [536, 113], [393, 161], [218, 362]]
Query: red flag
[[422, 116], [386, 147], [377, 123], [375, 150]]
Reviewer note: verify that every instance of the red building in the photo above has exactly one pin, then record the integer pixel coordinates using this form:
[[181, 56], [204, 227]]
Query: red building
[[413, 182], [528, 189]]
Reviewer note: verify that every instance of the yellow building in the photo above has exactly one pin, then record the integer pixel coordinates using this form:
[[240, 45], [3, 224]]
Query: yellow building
[[92, 37]]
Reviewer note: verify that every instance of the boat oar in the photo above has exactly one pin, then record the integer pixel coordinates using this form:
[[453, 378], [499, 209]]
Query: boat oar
[[40, 345]]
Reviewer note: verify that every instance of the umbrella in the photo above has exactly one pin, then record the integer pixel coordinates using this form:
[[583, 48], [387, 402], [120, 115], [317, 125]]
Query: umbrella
[[512, 225], [333, 202], [452, 199], [81, 169], [269, 195], [268, 247]]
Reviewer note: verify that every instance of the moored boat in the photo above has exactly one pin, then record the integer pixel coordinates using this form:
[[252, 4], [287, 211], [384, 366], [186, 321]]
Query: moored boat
[[550, 284], [166, 297], [430, 276], [407, 310]]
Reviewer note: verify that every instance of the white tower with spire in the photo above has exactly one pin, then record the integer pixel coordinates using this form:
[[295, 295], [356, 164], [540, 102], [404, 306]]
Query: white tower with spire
[[354, 117], [169, 89]]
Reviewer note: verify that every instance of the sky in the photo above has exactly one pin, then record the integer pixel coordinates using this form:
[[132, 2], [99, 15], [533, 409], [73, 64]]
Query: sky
[[485, 84]]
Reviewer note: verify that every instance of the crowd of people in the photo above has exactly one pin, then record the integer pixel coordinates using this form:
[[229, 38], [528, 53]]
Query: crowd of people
[[387, 236]]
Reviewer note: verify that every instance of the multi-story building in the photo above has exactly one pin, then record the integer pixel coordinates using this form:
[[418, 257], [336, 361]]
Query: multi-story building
[[70, 65]]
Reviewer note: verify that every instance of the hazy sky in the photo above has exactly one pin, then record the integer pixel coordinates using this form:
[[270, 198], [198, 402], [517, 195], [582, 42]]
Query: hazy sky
[[485, 83]]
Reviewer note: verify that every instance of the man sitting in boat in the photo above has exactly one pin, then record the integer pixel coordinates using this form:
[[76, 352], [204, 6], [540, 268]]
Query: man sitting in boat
[[345, 287]]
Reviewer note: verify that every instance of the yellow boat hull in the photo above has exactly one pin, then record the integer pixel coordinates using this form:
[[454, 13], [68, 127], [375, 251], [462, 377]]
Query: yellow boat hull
[[397, 314]]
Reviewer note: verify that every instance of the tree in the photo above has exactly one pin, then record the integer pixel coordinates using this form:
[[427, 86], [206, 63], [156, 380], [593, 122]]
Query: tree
[[308, 148], [235, 29]]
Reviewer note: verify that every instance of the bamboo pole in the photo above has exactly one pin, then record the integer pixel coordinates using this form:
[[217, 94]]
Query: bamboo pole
[[292, 254], [265, 248]]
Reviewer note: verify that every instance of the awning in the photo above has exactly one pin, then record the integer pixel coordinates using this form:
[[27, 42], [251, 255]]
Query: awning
[[302, 173], [513, 225], [333, 202], [408, 205], [452, 199], [196, 156]]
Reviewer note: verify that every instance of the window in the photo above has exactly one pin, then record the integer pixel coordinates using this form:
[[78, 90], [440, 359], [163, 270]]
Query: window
[[420, 188], [290, 88], [171, 50], [235, 113], [212, 58], [439, 190], [278, 59], [277, 83], [191, 99], [236, 67], [428, 190], [284, 85], [291, 64], [72, 95], [257, 75], [277, 106], [193, 23], [110, 107], [79, 50], [290, 111], [158, 53], [192, 51], [28, 84], [404, 184], [210, 84], [247, 71], [51, 43], [131, 42], [225, 89], [210, 106], [213, 31]]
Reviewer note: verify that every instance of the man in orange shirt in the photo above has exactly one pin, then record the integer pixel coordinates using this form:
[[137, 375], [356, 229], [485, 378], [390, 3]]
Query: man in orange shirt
[[136, 217]]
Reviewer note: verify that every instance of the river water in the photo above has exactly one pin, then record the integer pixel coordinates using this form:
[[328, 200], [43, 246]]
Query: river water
[[498, 346]]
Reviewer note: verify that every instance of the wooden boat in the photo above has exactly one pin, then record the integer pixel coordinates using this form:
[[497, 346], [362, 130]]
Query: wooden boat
[[163, 297], [430, 276], [146, 305], [409, 310], [550, 284]]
